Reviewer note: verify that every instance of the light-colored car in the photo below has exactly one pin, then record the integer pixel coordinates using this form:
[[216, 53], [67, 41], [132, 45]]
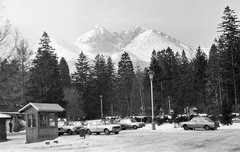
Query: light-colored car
[[130, 123], [199, 122], [69, 127], [99, 126]]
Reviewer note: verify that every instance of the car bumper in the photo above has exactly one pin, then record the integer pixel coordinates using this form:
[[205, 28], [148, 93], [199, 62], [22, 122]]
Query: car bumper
[[116, 129]]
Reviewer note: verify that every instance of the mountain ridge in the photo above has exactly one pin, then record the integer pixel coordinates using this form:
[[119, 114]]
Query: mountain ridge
[[138, 42]]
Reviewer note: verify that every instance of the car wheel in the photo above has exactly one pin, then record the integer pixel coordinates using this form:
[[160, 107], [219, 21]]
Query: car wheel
[[134, 127], [206, 127], [69, 132], [123, 128], [60, 133], [106, 131], [213, 128], [185, 127], [89, 132], [116, 132]]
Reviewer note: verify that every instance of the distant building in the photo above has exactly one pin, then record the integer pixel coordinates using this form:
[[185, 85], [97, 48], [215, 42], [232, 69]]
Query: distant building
[[3, 131]]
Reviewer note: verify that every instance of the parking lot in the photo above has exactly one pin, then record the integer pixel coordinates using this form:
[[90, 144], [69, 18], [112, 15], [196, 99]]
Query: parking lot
[[164, 138]]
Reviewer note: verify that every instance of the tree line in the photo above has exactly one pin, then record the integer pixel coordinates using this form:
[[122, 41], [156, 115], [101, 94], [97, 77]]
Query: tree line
[[209, 82]]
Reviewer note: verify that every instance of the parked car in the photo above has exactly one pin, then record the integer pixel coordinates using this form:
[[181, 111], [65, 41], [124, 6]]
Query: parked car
[[130, 123], [199, 122], [235, 117], [60, 131], [101, 126], [69, 127]]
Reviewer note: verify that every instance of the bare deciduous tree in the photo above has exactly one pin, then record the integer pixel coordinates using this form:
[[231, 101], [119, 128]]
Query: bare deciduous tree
[[74, 107], [8, 44]]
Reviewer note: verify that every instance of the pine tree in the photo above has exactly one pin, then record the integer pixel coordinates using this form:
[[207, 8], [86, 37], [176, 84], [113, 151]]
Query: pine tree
[[125, 77], [139, 89], [65, 75], [66, 84], [96, 85], [167, 62], [228, 43], [111, 85], [81, 76], [185, 90], [200, 66], [157, 65], [101, 80], [45, 83], [214, 80]]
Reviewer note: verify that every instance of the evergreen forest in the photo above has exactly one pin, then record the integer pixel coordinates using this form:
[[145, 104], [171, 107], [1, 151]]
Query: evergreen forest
[[210, 82]]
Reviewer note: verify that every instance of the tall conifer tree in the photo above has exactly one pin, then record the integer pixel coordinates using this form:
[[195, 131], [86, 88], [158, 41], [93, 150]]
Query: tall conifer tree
[[111, 85], [125, 76], [200, 67], [45, 83], [81, 76], [228, 43], [65, 75]]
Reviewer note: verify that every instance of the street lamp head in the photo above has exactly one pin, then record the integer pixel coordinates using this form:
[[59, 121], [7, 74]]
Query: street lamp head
[[101, 97], [151, 74]]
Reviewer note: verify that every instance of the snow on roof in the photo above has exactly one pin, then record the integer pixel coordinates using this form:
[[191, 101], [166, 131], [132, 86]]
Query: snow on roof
[[203, 114], [43, 107], [4, 116]]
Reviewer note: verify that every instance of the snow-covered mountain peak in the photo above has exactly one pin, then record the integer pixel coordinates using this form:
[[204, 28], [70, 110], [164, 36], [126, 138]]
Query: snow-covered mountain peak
[[98, 33], [99, 29], [138, 29], [139, 42]]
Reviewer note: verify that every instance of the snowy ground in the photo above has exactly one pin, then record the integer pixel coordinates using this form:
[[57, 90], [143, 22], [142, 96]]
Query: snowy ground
[[165, 138]]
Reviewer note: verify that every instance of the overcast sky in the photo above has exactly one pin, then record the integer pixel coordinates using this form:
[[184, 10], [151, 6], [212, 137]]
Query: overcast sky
[[193, 22]]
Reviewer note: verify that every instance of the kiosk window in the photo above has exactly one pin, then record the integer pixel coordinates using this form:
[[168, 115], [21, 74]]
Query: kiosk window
[[31, 120], [43, 120], [52, 120]]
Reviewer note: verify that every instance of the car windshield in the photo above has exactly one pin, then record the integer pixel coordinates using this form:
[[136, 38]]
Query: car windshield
[[68, 123], [208, 119], [193, 119], [85, 123], [133, 120], [107, 122], [77, 123]]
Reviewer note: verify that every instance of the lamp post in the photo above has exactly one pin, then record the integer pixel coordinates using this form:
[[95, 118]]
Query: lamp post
[[151, 74], [169, 105], [101, 97]]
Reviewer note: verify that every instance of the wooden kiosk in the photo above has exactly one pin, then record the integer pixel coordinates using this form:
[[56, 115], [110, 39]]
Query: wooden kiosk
[[3, 131], [41, 121]]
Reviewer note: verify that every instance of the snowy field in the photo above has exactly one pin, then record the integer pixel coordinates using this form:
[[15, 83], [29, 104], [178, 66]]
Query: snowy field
[[165, 138]]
